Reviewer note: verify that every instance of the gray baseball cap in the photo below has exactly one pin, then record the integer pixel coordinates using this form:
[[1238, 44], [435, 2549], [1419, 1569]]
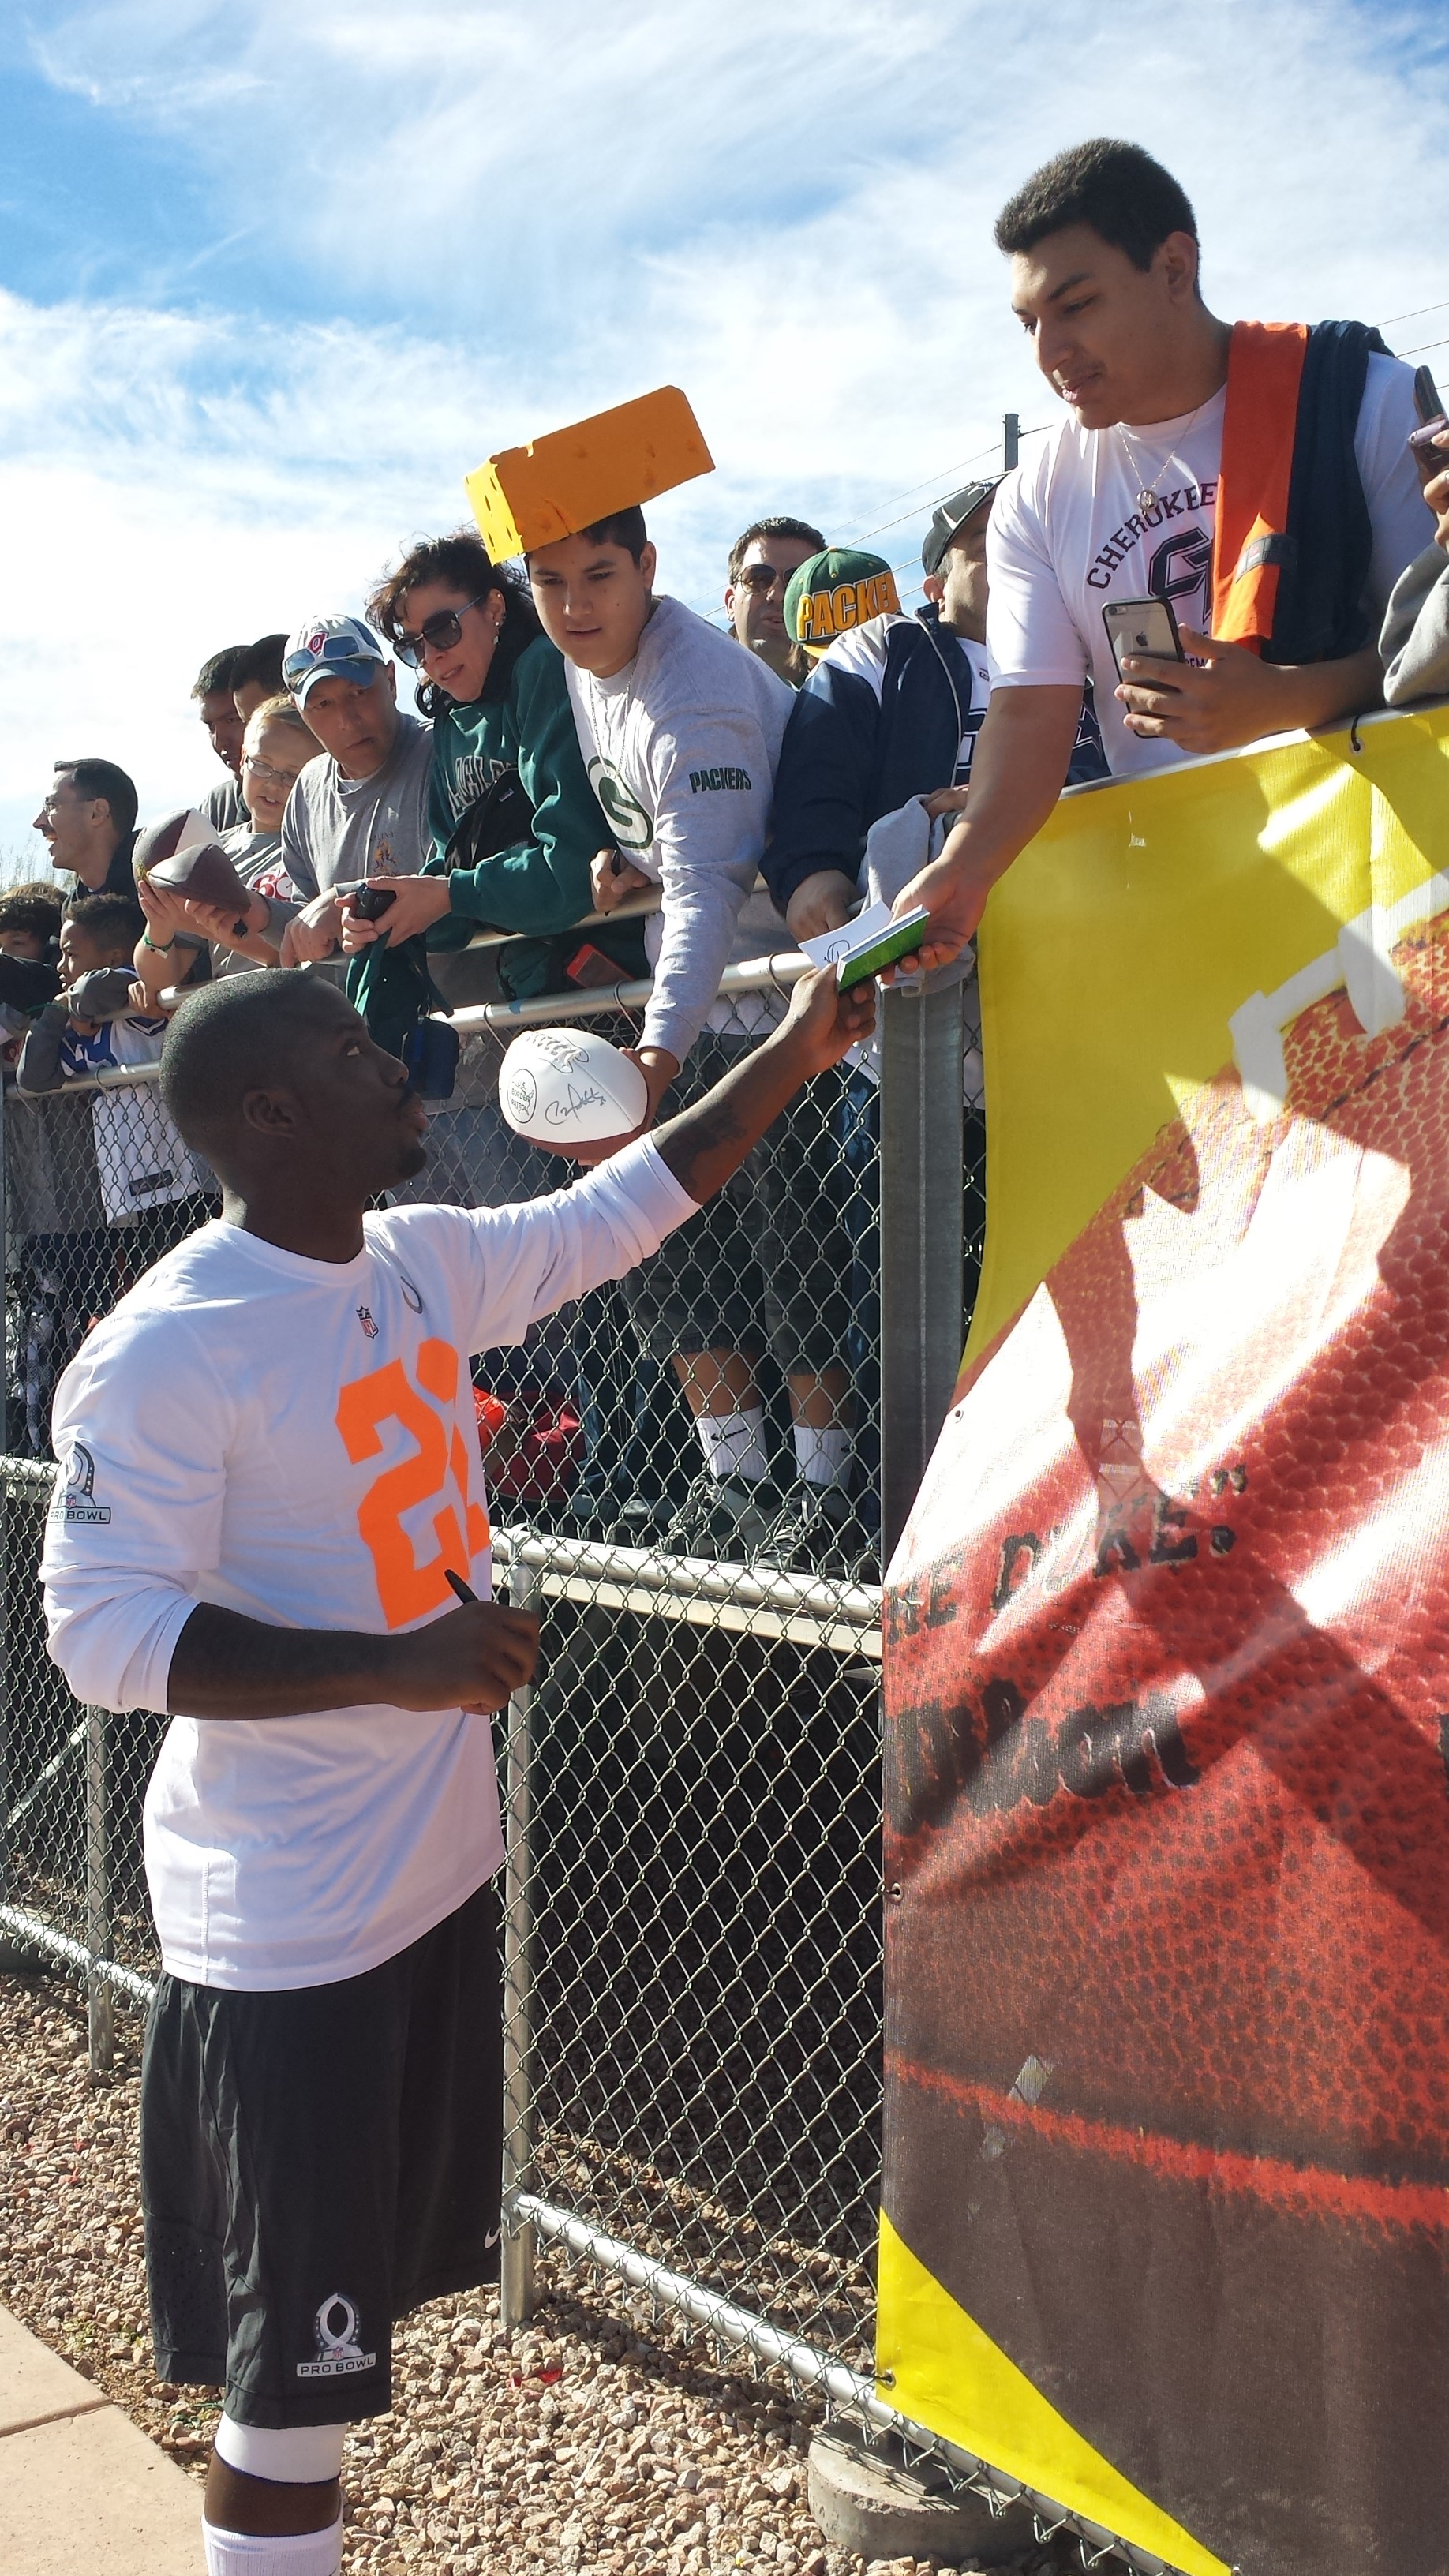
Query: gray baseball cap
[[948, 520]]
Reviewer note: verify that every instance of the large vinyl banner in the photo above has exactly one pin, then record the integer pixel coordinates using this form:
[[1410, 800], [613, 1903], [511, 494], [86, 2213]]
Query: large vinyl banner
[[1166, 2227]]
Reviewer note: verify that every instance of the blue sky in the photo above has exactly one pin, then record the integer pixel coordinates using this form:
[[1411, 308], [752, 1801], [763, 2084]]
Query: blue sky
[[273, 280]]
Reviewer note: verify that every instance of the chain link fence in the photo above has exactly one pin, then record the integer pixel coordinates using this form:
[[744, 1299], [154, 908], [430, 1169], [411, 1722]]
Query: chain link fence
[[692, 1802]]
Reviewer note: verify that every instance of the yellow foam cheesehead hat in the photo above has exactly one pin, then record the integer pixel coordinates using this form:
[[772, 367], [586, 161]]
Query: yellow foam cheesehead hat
[[531, 496]]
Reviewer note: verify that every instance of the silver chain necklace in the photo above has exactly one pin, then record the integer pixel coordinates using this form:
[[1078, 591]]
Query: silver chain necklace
[[1147, 497]]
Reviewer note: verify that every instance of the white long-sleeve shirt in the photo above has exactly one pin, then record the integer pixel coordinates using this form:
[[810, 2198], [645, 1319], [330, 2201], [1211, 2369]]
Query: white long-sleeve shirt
[[296, 1440], [681, 748]]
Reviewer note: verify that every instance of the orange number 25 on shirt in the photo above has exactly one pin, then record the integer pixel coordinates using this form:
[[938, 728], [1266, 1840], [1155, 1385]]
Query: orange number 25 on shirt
[[406, 1589]]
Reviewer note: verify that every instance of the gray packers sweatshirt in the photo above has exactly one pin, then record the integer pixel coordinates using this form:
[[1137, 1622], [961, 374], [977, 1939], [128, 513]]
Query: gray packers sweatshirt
[[681, 748]]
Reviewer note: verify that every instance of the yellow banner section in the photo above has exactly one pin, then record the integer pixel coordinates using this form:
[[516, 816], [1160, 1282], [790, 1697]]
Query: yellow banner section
[[947, 2374], [1140, 903]]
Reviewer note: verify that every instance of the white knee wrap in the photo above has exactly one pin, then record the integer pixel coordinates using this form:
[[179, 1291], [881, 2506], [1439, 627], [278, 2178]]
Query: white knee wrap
[[238, 2553], [302, 2455]]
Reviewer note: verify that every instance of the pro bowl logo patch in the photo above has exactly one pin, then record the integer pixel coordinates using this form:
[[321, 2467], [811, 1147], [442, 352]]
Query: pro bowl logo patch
[[338, 2352], [522, 1096], [316, 639], [75, 1500]]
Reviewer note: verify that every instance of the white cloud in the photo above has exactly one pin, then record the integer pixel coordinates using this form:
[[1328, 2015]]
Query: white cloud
[[519, 216]]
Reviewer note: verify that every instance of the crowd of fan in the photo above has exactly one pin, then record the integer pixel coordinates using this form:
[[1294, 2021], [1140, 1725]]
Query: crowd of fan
[[603, 785]]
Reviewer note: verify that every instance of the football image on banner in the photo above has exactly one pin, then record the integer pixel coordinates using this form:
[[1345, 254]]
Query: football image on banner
[[1166, 2208]]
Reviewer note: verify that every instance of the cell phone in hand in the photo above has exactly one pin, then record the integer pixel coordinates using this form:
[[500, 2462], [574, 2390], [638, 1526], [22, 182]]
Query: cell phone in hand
[[372, 900], [882, 948], [1145, 626], [1432, 421]]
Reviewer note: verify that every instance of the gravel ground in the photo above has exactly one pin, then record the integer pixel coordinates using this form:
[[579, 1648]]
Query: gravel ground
[[600, 2439]]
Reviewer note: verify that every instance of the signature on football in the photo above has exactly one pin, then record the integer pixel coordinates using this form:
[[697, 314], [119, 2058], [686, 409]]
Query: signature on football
[[561, 1113]]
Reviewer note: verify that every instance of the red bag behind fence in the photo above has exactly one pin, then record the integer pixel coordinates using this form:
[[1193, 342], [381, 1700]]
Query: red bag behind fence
[[534, 1446]]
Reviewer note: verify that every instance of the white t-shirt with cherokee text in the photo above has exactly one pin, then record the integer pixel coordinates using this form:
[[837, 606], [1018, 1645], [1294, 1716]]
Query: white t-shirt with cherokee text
[[296, 1440], [1066, 537]]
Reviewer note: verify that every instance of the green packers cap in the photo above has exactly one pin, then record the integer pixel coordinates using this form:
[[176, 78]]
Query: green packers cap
[[833, 591]]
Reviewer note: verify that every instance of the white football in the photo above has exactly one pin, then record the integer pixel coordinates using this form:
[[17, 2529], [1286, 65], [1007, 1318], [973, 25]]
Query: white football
[[566, 1087]]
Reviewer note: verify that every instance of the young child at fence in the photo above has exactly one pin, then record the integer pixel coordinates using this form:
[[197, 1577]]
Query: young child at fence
[[29, 953], [278, 1551], [185, 941], [64, 1273], [152, 1190], [680, 733]]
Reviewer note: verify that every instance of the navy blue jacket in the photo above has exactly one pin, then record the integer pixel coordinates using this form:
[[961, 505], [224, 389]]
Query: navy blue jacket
[[891, 712]]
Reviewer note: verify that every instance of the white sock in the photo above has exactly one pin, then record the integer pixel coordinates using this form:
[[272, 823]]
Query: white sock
[[734, 1443], [300, 2455], [823, 1457], [240, 2553]]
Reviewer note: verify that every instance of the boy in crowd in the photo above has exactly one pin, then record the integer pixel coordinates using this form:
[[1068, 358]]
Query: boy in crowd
[[891, 710], [680, 733], [52, 1193], [211, 692], [88, 824], [362, 810], [151, 1189], [276, 749], [761, 562], [321, 2119], [257, 677], [29, 950], [1151, 488], [30, 921]]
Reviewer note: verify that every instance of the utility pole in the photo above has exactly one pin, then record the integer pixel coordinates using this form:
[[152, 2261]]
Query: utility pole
[[1010, 440]]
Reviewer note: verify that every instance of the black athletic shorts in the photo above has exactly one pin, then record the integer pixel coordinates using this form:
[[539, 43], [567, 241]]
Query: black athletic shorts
[[316, 2163], [767, 1263]]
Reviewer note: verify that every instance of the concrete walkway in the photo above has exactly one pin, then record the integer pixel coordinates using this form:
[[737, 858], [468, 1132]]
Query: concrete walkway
[[82, 2491]]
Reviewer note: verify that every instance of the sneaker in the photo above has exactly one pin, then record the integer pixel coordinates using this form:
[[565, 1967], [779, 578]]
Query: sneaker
[[816, 1531], [724, 1517], [612, 1515]]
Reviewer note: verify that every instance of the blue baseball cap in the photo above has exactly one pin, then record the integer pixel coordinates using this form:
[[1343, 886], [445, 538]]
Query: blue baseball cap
[[331, 648]]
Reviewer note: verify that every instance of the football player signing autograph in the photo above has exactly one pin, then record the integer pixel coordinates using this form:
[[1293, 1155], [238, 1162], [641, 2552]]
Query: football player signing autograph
[[270, 1468]]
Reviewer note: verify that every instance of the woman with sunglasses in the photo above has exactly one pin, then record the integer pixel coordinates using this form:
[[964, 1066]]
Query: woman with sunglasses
[[496, 691]]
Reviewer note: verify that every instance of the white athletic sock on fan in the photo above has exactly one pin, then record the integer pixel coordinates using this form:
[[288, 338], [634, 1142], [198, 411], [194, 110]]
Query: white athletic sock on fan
[[304, 2553], [823, 1457], [734, 1444]]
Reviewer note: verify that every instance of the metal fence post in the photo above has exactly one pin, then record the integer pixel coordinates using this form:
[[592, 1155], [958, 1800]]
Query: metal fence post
[[519, 2247], [100, 2002], [921, 1235]]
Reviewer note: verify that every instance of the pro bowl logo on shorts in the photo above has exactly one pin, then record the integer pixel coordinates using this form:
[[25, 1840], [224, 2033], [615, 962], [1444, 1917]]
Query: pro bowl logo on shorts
[[338, 2356], [75, 1500]]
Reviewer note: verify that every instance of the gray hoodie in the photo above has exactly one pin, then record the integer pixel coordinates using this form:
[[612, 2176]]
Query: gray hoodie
[[681, 748], [1414, 645]]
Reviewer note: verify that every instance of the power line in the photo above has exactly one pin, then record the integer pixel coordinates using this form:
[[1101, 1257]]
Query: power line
[[1419, 309], [939, 482]]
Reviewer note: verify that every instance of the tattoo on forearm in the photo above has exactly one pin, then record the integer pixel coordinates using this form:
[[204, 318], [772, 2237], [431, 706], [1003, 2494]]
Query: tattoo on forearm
[[696, 1135]]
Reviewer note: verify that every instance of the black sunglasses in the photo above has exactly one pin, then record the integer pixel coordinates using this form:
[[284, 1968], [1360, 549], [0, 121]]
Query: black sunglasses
[[761, 576], [440, 632]]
